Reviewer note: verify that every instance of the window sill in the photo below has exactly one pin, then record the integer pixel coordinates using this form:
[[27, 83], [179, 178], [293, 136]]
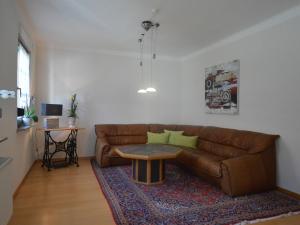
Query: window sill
[[23, 128]]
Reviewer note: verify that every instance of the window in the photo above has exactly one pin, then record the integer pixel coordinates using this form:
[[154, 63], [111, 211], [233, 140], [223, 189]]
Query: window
[[23, 77]]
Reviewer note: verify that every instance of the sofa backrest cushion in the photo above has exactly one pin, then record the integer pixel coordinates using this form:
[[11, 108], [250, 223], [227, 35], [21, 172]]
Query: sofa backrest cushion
[[249, 141], [220, 149], [209, 143], [123, 134], [159, 128], [190, 130]]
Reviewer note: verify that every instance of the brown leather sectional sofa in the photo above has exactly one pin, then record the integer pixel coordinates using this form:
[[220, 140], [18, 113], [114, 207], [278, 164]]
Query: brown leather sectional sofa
[[240, 162]]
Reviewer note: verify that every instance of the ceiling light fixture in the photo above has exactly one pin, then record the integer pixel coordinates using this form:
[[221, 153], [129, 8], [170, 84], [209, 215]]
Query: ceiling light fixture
[[142, 91], [151, 26], [151, 89]]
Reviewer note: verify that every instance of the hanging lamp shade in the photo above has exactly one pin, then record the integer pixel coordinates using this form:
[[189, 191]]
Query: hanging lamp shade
[[142, 91], [151, 89]]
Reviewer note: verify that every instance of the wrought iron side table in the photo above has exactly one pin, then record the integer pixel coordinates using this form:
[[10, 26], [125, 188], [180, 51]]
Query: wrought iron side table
[[67, 146]]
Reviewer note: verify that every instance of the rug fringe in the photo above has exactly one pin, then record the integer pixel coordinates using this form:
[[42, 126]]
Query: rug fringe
[[269, 218]]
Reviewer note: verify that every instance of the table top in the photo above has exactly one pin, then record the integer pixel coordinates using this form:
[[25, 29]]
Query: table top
[[59, 128], [148, 151]]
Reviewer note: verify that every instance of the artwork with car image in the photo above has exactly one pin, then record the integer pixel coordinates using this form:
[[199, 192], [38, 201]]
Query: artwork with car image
[[221, 88]]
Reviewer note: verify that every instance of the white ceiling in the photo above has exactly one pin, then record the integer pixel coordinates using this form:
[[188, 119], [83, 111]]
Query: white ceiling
[[114, 25]]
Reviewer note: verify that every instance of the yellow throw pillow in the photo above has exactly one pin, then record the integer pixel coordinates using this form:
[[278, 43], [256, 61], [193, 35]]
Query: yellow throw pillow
[[157, 138], [172, 132], [181, 140]]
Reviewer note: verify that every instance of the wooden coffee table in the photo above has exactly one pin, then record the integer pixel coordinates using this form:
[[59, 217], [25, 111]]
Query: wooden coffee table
[[148, 161]]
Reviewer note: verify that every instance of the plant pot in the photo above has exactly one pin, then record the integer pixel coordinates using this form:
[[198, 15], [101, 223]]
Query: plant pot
[[19, 122], [72, 122], [27, 121]]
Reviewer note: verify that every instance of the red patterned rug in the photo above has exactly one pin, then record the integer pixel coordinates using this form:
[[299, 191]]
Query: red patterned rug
[[183, 199]]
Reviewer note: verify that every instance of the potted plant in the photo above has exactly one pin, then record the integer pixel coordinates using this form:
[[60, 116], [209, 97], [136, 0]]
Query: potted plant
[[29, 113], [73, 111], [29, 116]]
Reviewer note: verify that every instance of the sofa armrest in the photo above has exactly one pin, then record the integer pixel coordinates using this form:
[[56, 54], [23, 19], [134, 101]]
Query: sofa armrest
[[102, 148], [249, 173]]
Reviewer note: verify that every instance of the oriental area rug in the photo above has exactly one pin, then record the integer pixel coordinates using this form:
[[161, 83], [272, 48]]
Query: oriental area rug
[[184, 199]]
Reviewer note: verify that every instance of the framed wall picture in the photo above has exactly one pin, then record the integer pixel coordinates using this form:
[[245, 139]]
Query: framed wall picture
[[222, 88]]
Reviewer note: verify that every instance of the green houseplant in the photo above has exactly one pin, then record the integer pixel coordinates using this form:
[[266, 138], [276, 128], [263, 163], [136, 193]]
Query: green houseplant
[[29, 114], [72, 112]]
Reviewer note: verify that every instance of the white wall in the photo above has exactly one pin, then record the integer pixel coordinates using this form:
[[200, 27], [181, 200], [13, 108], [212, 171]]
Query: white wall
[[19, 144], [269, 90], [107, 87]]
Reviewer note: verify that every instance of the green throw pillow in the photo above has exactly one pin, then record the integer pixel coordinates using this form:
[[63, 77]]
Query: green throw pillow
[[157, 138], [173, 132], [181, 140]]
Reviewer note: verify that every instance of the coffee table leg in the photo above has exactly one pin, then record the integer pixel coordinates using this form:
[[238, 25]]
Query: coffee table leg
[[162, 170], [134, 168], [148, 171], [149, 168]]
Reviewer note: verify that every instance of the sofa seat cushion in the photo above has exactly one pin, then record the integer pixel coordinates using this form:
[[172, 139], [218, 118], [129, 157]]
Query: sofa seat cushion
[[202, 160]]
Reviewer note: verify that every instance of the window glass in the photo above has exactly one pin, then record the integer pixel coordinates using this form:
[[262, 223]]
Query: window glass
[[23, 79]]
